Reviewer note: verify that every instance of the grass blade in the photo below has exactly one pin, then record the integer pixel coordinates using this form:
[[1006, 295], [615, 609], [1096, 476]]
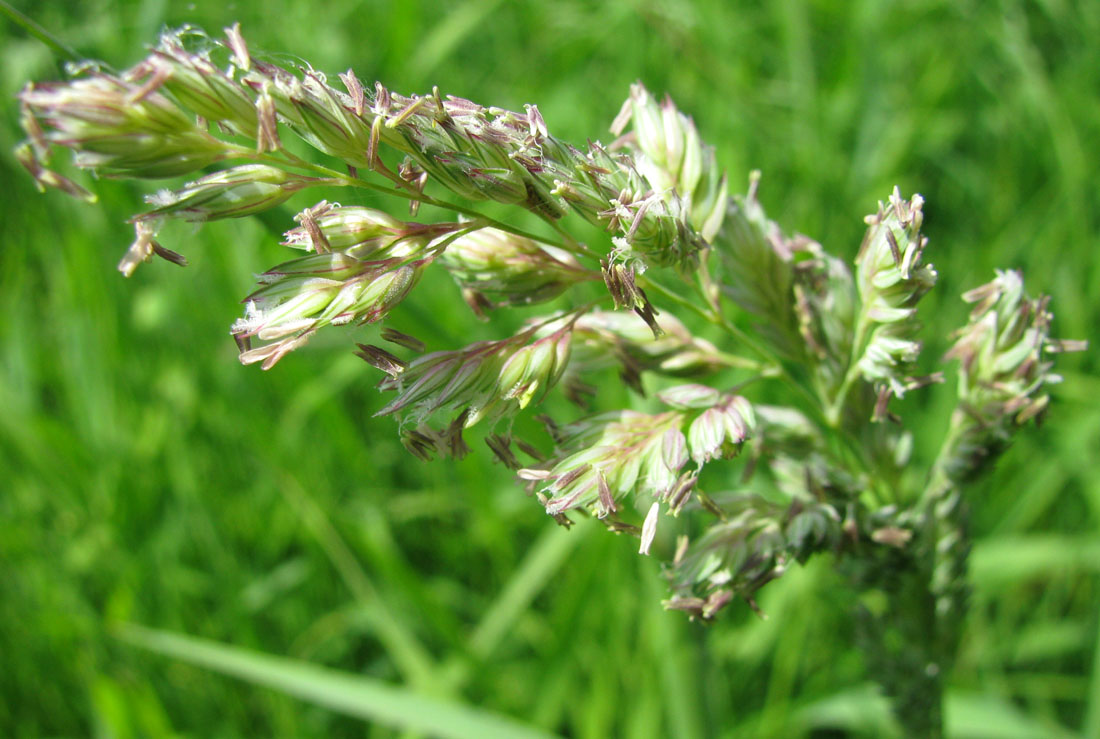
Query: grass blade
[[354, 695], [537, 569]]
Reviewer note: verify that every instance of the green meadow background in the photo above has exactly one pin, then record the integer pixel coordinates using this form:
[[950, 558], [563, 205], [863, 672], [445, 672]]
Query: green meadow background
[[153, 491]]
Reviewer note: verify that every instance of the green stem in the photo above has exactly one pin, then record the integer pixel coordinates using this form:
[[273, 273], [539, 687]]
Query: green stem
[[774, 368], [289, 159], [766, 373], [59, 47], [896, 628], [911, 645], [671, 295], [735, 362], [939, 477], [900, 648], [945, 522], [574, 246], [835, 407], [813, 402]]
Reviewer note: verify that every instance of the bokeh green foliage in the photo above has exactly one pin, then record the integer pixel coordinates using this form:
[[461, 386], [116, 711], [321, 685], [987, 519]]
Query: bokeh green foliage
[[147, 477]]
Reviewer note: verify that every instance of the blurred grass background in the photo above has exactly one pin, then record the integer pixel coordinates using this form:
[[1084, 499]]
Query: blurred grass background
[[146, 477]]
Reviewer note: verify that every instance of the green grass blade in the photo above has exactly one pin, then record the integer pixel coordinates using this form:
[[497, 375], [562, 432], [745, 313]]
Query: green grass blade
[[409, 655], [1009, 559], [1092, 706], [56, 45], [354, 695], [975, 716], [451, 31], [537, 569], [860, 710], [534, 573]]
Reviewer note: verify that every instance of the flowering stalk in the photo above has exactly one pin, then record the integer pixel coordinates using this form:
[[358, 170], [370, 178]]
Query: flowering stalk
[[750, 487], [1004, 371], [485, 380], [298, 297], [670, 154], [891, 279], [116, 128]]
